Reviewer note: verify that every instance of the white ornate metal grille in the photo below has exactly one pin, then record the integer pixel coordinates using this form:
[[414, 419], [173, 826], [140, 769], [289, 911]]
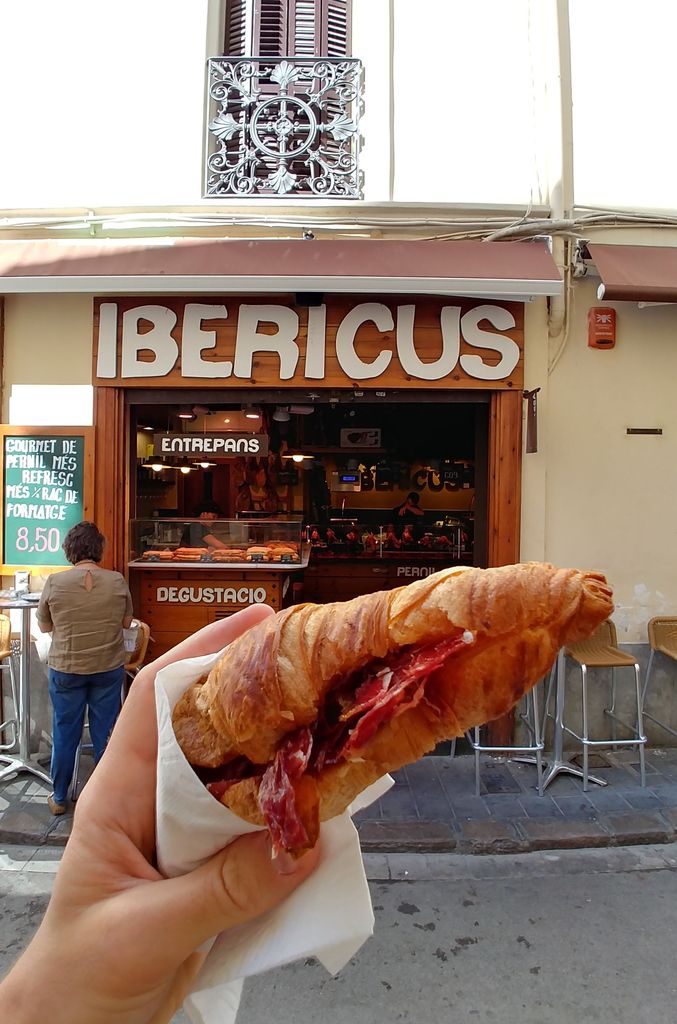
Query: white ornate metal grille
[[286, 127]]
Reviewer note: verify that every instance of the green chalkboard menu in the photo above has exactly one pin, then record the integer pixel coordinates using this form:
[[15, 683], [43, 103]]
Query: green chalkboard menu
[[43, 477]]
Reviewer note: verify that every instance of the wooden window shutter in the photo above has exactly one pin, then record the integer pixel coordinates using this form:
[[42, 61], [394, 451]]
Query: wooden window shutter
[[235, 39], [281, 28], [270, 28], [335, 28]]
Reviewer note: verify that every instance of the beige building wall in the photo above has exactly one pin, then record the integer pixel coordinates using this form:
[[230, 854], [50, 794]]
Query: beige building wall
[[48, 340]]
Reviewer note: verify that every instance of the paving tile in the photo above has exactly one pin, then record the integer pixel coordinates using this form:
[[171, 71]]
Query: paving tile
[[637, 827], [667, 793], [576, 808], [504, 807], [398, 804], [469, 807], [556, 833], [643, 798], [606, 799], [670, 815], [540, 806], [432, 803], [498, 779]]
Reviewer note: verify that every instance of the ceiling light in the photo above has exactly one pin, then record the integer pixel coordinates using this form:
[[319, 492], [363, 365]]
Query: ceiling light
[[147, 428], [157, 467], [205, 465], [185, 469], [281, 414], [251, 413], [298, 458], [227, 419], [185, 413], [301, 410]]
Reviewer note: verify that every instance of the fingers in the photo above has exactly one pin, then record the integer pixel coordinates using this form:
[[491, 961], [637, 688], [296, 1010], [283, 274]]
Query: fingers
[[213, 637], [237, 885], [137, 718]]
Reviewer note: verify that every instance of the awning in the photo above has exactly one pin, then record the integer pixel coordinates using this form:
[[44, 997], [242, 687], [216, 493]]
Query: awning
[[637, 273], [502, 270]]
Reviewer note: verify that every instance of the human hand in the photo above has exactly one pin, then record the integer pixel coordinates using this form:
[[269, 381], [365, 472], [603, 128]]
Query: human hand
[[118, 941]]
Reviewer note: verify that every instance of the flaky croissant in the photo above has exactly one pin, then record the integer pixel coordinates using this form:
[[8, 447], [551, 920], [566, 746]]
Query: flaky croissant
[[308, 708]]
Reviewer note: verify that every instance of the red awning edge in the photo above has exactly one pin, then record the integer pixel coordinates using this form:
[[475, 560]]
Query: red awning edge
[[507, 270], [636, 273]]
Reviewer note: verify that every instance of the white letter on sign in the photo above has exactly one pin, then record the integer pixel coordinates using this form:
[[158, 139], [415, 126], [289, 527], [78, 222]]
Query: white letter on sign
[[506, 347], [107, 350], [349, 361], [450, 319], [315, 342], [159, 340], [195, 339], [250, 341]]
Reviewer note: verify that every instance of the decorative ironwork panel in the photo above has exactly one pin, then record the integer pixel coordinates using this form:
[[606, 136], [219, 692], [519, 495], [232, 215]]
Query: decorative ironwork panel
[[287, 127]]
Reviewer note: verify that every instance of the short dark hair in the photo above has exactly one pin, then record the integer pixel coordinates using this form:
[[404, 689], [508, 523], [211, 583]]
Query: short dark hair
[[84, 542], [207, 506], [414, 497]]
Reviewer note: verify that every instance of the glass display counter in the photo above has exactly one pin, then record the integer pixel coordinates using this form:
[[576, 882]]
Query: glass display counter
[[348, 538], [233, 543]]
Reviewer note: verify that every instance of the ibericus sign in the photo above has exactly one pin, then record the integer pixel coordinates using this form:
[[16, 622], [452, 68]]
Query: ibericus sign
[[342, 342]]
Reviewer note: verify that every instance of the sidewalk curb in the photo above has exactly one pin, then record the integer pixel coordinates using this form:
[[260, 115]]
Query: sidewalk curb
[[481, 838]]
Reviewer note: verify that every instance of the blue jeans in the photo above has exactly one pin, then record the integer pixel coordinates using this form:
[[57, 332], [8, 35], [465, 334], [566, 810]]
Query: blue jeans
[[71, 694]]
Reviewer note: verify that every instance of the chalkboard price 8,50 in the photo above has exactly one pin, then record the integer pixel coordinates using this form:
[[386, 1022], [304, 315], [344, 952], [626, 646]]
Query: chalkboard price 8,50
[[43, 485]]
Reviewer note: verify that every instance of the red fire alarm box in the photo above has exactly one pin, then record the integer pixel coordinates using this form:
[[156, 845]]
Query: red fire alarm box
[[601, 327]]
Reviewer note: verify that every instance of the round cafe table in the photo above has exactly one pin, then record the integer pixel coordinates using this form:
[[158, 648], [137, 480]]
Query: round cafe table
[[21, 761]]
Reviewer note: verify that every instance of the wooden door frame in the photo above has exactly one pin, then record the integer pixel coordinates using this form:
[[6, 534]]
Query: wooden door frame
[[113, 488]]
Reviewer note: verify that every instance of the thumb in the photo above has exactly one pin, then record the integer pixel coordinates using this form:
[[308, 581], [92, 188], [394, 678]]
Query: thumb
[[237, 885]]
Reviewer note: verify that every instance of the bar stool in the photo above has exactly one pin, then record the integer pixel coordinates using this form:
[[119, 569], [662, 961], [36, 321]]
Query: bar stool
[[133, 664], [601, 651], [662, 632], [7, 665], [529, 715]]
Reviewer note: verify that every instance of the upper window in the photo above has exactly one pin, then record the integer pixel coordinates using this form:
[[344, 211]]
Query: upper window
[[284, 102], [287, 28]]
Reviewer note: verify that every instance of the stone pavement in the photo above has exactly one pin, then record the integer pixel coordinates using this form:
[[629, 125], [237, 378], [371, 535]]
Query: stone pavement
[[432, 808]]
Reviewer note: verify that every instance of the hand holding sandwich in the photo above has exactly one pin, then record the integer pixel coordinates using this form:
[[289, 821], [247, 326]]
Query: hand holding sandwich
[[117, 942]]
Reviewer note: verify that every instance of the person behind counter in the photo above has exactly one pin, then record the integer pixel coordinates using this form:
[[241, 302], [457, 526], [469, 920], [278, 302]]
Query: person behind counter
[[85, 609], [410, 510], [257, 493], [199, 535]]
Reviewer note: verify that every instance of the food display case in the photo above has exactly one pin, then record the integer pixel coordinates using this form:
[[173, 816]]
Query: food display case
[[351, 557], [211, 543], [350, 538], [187, 573]]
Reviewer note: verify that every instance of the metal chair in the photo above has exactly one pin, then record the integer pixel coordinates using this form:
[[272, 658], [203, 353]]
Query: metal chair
[[7, 664], [136, 657], [530, 716], [601, 651], [662, 632], [133, 664]]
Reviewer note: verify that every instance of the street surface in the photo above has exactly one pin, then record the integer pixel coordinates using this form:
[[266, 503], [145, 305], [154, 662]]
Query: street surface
[[543, 938]]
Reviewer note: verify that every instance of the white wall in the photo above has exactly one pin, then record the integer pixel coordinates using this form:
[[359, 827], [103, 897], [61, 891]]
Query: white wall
[[106, 102], [624, 86], [596, 497]]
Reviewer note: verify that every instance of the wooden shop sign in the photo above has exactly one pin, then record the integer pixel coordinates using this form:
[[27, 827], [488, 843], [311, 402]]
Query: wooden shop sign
[[344, 342]]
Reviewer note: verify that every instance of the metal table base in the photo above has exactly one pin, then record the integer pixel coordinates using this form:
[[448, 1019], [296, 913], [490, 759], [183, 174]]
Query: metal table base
[[14, 763], [556, 763]]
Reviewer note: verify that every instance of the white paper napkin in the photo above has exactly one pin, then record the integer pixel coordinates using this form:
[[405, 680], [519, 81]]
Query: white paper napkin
[[329, 916]]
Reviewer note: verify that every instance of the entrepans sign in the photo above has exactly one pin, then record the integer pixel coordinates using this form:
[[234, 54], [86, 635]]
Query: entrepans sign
[[225, 443]]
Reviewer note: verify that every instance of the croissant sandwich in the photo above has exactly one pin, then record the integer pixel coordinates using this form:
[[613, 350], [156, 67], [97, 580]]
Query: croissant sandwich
[[306, 709]]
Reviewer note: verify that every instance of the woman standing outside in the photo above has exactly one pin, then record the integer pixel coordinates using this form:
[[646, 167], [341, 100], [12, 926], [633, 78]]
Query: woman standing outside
[[85, 609]]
